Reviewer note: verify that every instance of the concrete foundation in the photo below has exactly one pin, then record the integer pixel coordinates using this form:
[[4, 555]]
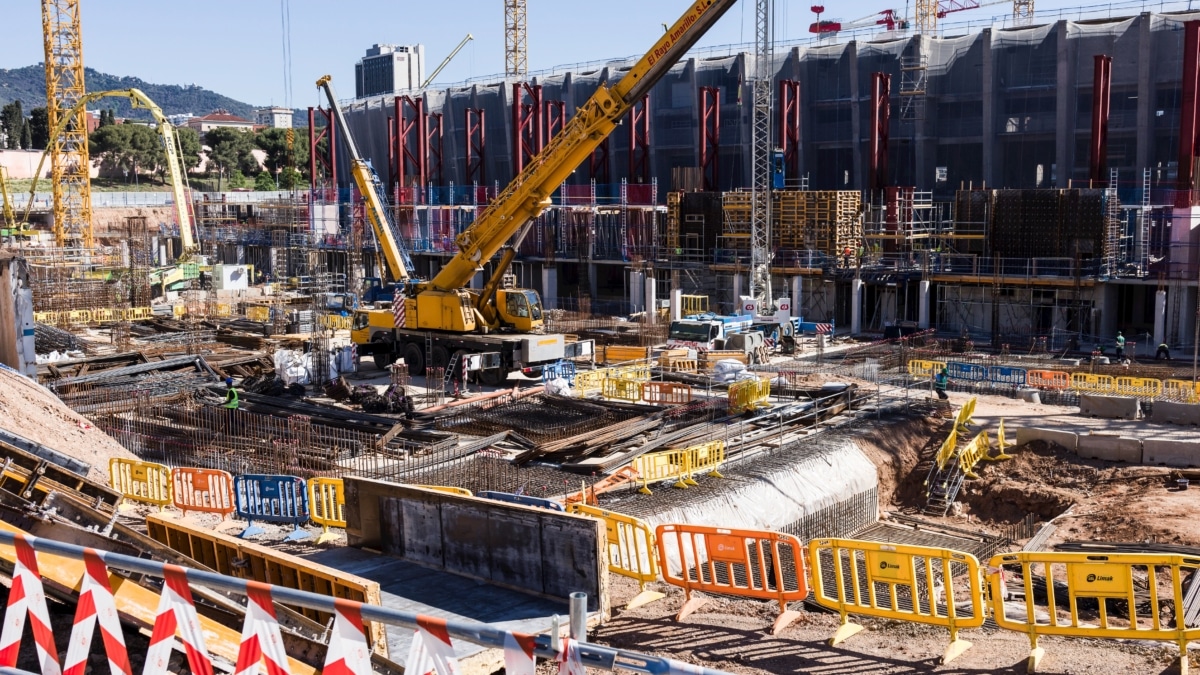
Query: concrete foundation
[[1112, 407], [1175, 413], [1110, 448], [1065, 439], [1171, 453]]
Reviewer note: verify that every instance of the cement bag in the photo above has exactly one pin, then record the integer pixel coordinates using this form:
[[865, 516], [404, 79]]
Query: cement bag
[[293, 367]]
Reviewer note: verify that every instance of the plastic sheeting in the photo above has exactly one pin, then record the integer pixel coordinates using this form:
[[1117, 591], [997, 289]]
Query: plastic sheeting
[[775, 497]]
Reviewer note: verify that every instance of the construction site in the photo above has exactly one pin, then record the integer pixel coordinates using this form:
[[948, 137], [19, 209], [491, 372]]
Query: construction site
[[872, 349]]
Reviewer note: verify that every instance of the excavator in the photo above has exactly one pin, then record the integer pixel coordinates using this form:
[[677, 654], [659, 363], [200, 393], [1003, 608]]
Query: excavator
[[440, 319]]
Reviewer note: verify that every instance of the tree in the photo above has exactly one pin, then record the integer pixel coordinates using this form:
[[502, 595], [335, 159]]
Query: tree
[[189, 147], [291, 178], [26, 136], [12, 120], [129, 148], [231, 150], [263, 182], [39, 128], [237, 179], [279, 155], [107, 118]]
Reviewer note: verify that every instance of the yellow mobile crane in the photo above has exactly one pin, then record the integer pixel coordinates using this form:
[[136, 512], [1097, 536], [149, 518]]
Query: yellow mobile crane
[[441, 316]]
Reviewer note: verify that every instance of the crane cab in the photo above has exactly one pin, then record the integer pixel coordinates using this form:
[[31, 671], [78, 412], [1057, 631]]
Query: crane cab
[[520, 308]]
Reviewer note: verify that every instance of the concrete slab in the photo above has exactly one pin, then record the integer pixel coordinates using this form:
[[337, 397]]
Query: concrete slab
[[1066, 439], [1171, 453], [1171, 412], [1110, 448], [410, 587], [1113, 407]]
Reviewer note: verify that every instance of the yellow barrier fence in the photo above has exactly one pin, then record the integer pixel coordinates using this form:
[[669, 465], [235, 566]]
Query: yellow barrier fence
[[327, 505], [656, 467], [973, 453], [966, 415], [704, 458], [631, 551], [1002, 444], [1184, 391], [591, 381], [640, 372], [139, 313], [1093, 383], [749, 394], [144, 482], [258, 313], [335, 322], [1142, 387], [918, 368], [921, 584], [1131, 596], [621, 389], [946, 451], [622, 354]]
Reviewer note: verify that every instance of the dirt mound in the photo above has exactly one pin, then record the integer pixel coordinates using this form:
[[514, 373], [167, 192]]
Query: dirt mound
[[30, 411], [896, 449]]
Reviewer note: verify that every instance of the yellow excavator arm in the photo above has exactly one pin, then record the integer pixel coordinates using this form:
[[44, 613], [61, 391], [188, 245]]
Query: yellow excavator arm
[[139, 100], [529, 193]]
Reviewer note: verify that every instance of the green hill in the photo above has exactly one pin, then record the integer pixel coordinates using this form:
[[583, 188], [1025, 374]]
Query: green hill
[[28, 85]]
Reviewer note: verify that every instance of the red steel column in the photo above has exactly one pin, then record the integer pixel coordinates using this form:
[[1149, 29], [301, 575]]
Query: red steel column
[[881, 84], [710, 138], [476, 145], [598, 164], [639, 141], [527, 124], [789, 126], [555, 118], [410, 132], [434, 146], [1101, 98]]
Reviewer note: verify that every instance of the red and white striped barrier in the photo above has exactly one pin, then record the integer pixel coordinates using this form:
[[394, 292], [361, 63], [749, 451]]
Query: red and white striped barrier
[[431, 651], [569, 662], [348, 653], [261, 640], [518, 654], [27, 598], [176, 613], [96, 605]]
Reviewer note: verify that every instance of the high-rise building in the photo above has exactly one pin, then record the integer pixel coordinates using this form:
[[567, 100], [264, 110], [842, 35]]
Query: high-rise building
[[389, 68]]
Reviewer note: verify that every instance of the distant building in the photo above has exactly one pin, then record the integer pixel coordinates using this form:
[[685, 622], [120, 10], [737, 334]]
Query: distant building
[[389, 68], [219, 119], [93, 120], [180, 119], [274, 117]]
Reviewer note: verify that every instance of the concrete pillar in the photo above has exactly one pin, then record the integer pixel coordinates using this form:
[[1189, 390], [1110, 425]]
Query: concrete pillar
[[272, 252], [162, 255], [858, 177], [594, 280], [549, 286], [990, 156], [797, 297], [637, 291], [1160, 318], [650, 284], [923, 311], [241, 255], [737, 291], [1146, 103], [856, 295], [676, 304], [1064, 149]]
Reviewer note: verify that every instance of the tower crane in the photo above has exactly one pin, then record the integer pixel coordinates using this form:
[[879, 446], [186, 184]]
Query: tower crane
[[516, 39], [70, 168], [889, 18]]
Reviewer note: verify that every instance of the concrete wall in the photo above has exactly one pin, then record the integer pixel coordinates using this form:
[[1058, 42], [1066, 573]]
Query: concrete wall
[[1113, 407], [1110, 448], [1171, 453], [1175, 413], [530, 550]]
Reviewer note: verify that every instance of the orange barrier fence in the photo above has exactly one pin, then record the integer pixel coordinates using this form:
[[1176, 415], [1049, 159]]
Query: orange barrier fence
[[203, 490], [756, 564]]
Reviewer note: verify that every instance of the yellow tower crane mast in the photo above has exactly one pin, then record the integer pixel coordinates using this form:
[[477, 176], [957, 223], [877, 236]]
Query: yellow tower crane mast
[[70, 168], [516, 39]]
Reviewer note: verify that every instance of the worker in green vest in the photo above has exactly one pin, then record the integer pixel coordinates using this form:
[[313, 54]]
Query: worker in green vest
[[1120, 346], [940, 382], [231, 403]]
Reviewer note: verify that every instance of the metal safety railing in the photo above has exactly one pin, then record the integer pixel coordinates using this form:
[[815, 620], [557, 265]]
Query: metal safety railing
[[487, 635]]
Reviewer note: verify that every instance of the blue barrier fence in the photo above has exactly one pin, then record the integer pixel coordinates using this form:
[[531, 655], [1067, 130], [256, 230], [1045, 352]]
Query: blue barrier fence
[[271, 499], [536, 502]]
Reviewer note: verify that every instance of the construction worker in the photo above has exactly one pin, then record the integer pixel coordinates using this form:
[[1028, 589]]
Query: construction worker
[[231, 403], [848, 256], [940, 382], [1163, 353], [1120, 346]]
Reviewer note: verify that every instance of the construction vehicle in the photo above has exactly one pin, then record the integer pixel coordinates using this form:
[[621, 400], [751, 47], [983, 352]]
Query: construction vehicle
[[10, 227], [441, 316]]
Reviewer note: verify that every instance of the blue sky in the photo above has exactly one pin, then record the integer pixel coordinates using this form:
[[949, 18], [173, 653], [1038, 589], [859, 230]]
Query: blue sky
[[234, 46]]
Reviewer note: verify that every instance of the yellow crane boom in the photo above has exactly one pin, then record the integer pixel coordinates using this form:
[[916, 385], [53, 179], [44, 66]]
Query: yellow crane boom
[[139, 100]]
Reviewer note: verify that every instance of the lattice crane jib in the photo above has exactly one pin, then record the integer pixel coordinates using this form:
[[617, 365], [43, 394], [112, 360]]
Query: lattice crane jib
[[760, 218], [1022, 12], [926, 16], [516, 44], [69, 165]]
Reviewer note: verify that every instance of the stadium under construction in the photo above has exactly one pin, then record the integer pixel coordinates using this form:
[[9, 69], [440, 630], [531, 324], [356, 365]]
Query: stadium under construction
[[1012, 183]]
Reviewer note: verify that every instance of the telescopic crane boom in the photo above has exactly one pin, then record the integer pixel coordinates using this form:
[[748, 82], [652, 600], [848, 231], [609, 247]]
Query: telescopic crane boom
[[373, 194]]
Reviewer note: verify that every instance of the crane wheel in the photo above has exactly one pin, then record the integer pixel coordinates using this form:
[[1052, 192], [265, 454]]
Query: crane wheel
[[415, 359], [382, 361], [440, 357]]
